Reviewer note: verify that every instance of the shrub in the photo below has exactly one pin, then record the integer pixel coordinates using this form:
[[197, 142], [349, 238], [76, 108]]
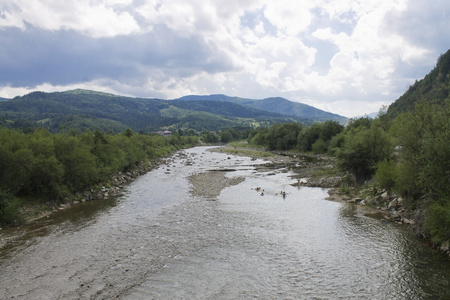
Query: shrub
[[9, 210], [437, 222], [319, 146], [386, 174]]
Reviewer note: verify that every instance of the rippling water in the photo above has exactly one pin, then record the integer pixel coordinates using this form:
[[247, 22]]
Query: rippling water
[[159, 242]]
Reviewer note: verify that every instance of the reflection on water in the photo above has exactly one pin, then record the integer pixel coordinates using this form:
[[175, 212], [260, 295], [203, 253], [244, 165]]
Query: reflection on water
[[158, 242]]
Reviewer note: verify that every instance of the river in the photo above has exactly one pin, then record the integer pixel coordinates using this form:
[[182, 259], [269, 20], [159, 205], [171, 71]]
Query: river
[[161, 241]]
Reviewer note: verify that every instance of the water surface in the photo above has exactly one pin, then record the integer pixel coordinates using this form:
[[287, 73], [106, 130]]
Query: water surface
[[158, 241]]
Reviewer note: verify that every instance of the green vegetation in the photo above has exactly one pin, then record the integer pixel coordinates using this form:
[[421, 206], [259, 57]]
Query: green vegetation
[[294, 136], [44, 168], [81, 110], [41, 167]]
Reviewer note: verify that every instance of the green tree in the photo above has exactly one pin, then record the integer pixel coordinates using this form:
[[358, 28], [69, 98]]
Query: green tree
[[80, 165], [283, 136], [308, 136], [9, 209], [226, 136], [424, 161], [363, 149]]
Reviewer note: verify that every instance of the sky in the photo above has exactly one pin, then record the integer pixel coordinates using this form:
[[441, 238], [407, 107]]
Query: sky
[[349, 57]]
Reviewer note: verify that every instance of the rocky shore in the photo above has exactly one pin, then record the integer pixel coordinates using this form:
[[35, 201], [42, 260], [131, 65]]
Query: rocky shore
[[319, 171], [111, 188]]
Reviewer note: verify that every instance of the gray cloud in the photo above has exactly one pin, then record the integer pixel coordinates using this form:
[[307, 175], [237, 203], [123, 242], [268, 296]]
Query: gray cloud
[[36, 56], [345, 56], [423, 23]]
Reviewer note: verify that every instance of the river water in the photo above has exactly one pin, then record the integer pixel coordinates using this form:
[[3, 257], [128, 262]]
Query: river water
[[159, 241]]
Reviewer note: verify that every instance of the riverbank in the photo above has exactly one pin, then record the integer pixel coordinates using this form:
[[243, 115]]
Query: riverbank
[[320, 171], [308, 169], [111, 188]]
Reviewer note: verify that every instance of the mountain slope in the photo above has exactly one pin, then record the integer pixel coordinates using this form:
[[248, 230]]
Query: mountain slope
[[434, 87], [276, 105], [82, 109]]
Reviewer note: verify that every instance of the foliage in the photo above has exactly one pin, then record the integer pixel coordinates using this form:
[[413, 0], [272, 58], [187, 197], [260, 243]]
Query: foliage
[[425, 155], [386, 174], [319, 134], [437, 223], [40, 166], [283, 136], [319, 146], [290, 136], [435, 87], [9, 209], [363, 149]]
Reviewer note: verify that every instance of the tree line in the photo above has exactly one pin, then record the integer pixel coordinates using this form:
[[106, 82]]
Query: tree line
[[39, 166]]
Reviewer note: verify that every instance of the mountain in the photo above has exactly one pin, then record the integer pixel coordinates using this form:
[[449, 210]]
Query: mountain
[[277, 105], [84, 109], [434, 87]]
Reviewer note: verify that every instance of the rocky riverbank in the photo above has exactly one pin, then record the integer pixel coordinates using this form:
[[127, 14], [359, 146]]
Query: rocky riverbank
[[111, 188], [319, 171]]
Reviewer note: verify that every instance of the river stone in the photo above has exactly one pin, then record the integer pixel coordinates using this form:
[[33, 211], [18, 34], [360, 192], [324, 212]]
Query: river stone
[[445, 246], [393, 204]]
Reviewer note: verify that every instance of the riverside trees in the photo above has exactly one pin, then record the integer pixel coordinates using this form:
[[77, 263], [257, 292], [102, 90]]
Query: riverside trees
[[38, 166]]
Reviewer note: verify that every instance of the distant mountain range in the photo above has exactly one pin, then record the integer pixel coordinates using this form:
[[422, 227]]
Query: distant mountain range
[[85, 109], [276, 105]]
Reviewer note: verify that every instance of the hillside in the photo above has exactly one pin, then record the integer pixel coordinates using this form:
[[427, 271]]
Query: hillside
[[276, 105], [434, 87], [83, 109]]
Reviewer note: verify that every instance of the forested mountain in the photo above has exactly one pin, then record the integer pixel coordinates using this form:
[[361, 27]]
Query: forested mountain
[[276, 105], [82, 109], [434, 88]]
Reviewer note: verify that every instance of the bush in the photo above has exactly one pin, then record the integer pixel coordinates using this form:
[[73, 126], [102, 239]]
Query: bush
[[319, 146], [437, 223], [425, 156], [386, 174], [9, 210], [363, 149]]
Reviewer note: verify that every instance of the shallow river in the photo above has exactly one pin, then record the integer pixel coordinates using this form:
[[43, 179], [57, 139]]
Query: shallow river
[[159, 241]]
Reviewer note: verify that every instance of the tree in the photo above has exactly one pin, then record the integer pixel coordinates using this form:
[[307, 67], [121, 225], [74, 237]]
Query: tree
[[283, 136], [226, 136], [9, 209], [363, 149], [80, 165], [425, 155]]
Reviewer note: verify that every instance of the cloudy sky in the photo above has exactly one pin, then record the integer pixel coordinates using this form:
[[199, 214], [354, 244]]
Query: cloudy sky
[[344, 56]]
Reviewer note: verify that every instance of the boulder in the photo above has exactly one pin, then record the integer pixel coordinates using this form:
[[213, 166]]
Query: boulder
[[445, 246]]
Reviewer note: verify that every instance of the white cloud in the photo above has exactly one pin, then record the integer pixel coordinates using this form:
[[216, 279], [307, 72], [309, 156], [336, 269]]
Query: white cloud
[[329, 52], [97, 20], [369, 54], [290, 17]]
